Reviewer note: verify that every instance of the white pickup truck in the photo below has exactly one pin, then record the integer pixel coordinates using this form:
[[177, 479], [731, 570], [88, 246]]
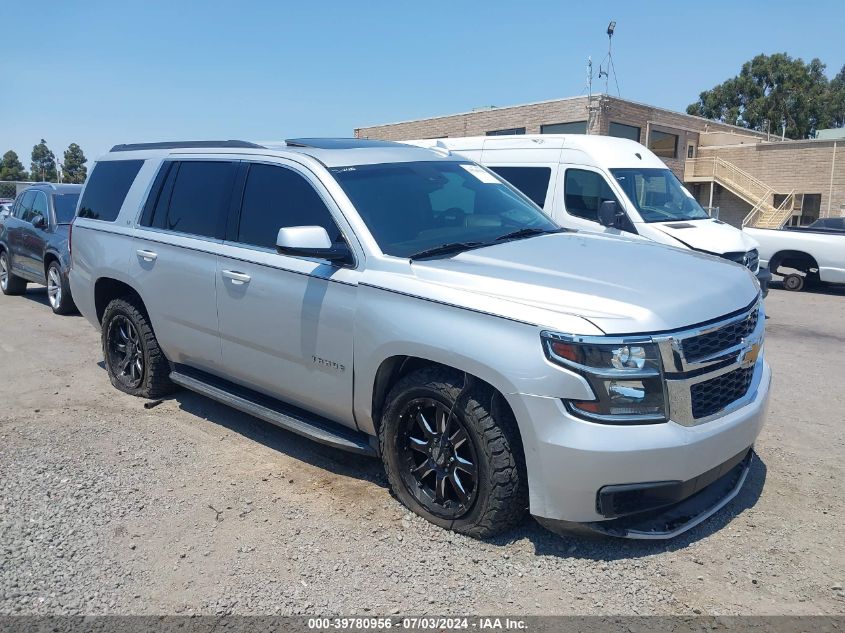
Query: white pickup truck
[[817, 254]]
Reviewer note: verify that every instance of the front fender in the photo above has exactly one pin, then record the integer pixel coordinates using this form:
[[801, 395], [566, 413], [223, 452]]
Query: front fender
[[506, 354]]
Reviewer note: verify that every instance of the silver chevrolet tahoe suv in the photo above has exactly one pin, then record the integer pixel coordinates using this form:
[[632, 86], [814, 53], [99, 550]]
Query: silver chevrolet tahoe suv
[[400, 302]]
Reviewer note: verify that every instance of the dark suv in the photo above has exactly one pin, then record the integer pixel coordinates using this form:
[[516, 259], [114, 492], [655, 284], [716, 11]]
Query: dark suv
[[34, 242]]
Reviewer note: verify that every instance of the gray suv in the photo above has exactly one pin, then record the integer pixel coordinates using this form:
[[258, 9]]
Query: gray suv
[[409, 304], [34, 242]]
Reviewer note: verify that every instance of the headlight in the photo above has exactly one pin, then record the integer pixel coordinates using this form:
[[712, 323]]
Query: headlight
[[626, 378]]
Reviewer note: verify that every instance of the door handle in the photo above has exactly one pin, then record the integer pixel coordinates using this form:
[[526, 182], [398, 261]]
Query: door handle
[[147, 256], [236, 277]]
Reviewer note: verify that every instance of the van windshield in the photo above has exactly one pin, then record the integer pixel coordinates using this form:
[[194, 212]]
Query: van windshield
[[414, 207], [658, 195]]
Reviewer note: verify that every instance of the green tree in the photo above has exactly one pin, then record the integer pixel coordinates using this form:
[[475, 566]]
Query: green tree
[[43, 167], [769, 91], [11, 167], [73, 166], [837, 99]]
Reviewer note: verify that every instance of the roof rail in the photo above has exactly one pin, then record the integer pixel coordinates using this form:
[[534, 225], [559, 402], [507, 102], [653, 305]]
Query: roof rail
[[338, 143], [130, 147]]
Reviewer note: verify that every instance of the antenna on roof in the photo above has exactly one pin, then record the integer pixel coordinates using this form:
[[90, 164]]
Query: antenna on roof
[[604, 71], [588, 87]]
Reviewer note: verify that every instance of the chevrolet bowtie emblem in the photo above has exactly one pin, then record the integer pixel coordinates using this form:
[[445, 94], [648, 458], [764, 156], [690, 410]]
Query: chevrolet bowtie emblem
[[750, 353]]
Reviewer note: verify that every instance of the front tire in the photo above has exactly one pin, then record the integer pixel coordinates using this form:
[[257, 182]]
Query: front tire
[[58, 290], [452, 453], [134, 361], [793, 282], [10, 283]]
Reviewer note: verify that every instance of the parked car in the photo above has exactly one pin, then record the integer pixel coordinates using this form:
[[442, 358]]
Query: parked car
[[34, 242], [817, 255], [571, 175], [830, 224], [6, 206], [393, 301]]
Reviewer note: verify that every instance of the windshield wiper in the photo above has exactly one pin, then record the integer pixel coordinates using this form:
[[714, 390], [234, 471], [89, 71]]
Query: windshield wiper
[[526, 232], [447, 249]]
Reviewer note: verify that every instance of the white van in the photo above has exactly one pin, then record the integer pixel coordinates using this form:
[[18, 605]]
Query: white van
[[570, 176]]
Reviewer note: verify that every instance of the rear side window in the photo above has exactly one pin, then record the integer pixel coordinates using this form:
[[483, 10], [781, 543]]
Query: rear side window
[[107, 187], [39, 207], [277, 197], [532, 181], [65, 206], [584, 191], [194, 198]]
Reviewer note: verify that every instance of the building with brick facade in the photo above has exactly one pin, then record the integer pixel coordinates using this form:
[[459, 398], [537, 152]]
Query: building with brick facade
[[751, 177]]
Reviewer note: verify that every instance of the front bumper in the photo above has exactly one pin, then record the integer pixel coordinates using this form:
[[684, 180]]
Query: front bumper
[[570, 460]]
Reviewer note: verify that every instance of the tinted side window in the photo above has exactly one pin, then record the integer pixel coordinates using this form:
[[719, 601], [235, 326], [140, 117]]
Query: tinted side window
[[25, 205], [277, 197], [107, 187], [199, 198], [532, 181], [39, 207], [584, 191]]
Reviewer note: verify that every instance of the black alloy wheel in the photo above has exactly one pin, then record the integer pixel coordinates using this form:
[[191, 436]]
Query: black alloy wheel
[[440, 464], [126, 355]]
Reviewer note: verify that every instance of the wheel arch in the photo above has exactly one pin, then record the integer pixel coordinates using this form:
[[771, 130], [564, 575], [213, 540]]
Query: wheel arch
[[106, 289], [49, 258], [796, 259], [394, 368]]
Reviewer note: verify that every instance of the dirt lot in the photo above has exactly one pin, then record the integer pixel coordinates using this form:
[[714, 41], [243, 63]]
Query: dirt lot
[[108, 507]]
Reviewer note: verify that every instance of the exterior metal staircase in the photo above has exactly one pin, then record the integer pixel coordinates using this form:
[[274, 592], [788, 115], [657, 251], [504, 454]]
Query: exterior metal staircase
[[764, 214]]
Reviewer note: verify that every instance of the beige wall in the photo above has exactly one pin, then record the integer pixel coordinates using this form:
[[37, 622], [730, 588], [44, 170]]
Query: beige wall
[[806, 166], [731, 208], [532, 116]]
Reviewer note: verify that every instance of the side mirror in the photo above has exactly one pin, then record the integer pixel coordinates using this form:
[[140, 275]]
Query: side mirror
[[311, 241], [609, 214], [39, 221]]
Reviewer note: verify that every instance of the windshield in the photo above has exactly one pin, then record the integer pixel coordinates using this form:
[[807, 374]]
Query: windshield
[[658, 195], [65, 206], [416, 206]]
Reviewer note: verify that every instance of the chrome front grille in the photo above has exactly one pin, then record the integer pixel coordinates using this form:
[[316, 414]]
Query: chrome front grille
[[750, 259], [715, 368], [723, 338], [711, 396]]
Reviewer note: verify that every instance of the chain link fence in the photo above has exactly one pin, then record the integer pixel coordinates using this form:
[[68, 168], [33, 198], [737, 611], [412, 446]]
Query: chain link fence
[[11, 188]]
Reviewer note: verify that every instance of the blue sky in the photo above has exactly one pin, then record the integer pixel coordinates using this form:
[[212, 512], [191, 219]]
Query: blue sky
[[100, 73]]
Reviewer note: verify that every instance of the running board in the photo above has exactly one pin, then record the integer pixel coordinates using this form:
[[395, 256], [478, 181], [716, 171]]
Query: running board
[[273, 411]]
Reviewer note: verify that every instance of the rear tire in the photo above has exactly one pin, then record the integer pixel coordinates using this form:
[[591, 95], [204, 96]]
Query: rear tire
[[793, 282], [58, 290], [134, 361], [465, 471], [10, 284]]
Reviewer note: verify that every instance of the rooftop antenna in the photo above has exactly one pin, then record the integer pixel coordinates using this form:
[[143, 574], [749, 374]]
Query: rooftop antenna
[[588, 88], [604, 71]]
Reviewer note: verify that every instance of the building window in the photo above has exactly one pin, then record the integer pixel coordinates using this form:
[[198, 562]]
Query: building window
[[510, 130], [620, 130], [573, 127], [690, 151], [663, 144]]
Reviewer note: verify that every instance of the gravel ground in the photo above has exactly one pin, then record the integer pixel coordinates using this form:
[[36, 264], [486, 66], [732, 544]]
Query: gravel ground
[[191, 507]]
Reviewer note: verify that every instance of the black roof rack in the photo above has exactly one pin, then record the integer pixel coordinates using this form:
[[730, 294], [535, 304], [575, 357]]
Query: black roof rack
[[130, 147], [339, 143]]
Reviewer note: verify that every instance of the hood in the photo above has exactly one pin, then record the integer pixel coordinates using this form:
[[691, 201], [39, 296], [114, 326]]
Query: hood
[[710, 236], [622, 286]]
